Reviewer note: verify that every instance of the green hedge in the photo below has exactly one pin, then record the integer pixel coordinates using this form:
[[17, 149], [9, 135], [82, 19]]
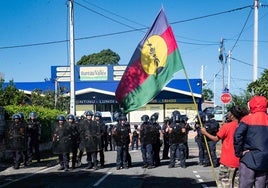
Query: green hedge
[[46, 117]]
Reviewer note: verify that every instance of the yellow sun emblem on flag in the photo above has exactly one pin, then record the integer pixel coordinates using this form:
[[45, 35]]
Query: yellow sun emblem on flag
[[154, 55]]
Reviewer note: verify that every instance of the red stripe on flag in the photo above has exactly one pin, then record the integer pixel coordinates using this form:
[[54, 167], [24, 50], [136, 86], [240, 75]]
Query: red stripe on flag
[[134, 76], [170, 40]]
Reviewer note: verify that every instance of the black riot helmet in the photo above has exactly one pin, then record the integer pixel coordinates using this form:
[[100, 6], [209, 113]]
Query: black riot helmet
[[98, 114], [154, 117], [184, 118], [21, 115], [122, 117], [176, 116], [89, 113], [70, 116], [33, 115], [61, 118], [203, 116], [145, 118], [16, 116]]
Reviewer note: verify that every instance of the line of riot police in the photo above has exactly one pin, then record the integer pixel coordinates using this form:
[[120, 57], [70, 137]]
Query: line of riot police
[[77, 137]]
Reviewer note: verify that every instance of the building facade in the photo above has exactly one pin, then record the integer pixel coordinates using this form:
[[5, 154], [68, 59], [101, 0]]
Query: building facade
[[95, 88]]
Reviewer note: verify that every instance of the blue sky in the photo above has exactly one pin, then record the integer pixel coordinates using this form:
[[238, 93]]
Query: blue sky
[[198, 27]]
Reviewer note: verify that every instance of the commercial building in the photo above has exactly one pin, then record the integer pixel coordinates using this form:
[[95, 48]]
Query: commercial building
[[95, 88]]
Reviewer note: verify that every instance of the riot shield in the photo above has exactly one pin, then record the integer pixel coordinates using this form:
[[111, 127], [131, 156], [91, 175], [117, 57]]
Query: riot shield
[[61, 139], [15, 137]]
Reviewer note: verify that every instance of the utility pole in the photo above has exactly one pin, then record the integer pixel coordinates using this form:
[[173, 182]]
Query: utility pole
[[221, 58], [72, 81], [229, 70], [255, 41]]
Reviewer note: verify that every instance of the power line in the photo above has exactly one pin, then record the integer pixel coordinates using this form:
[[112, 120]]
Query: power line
[[116, 33], [241, 31], [210, 15], [246, 63]]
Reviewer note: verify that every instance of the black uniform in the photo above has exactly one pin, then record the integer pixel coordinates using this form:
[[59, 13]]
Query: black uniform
[[121, 135], [111, 141], [33, 130], [165, 139], [102, 133], [61, 142], [177, 137], [146, 142], [91, 140], [75, 142], [212, 127], [135, 138], [16, 140], [198, 139]]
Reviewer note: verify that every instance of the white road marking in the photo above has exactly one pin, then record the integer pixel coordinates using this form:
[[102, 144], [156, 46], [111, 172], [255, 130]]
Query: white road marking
[[100, 180]]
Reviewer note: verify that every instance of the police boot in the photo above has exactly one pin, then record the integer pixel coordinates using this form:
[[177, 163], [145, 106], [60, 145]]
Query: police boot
[[89, 166], [79, 162], [73, 165], [61, 167], [16, 166], [95, 167], [66, 167]]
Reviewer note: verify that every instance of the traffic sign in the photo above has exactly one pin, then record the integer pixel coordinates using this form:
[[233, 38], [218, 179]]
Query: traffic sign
[[226, 98]]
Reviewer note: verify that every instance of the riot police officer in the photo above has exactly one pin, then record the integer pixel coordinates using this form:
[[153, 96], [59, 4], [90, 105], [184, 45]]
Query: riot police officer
[[90, 139], [156, 143], [212, 127], [25, 152], [165, 134], [33, 133], [177, 137], [121, 133], [198, 139], [103, 133], [110, 139], [135, 137], [16, 140], [74, 137], [61, 142], [146, 142], [85, 119]]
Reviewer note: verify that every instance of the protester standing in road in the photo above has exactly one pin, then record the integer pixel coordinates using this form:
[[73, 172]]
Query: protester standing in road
[[229, 163], [251, 145]]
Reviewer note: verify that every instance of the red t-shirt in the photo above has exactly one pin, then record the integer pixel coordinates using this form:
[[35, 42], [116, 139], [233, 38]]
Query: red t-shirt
[[226, 134]]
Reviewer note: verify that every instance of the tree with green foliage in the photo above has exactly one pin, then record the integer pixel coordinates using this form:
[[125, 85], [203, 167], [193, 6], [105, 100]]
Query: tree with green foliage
[[104, 57], [240, 100], [207, 94], [10, 94], [259, 87]]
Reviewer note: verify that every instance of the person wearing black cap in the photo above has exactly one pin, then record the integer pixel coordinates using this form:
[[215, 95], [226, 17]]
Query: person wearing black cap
[[228, 176]]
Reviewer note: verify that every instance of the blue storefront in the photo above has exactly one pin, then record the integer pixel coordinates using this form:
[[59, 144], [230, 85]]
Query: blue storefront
[[95, 89]]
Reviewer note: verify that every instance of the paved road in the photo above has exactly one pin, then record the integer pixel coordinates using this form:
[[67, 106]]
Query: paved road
[[47, 176]]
